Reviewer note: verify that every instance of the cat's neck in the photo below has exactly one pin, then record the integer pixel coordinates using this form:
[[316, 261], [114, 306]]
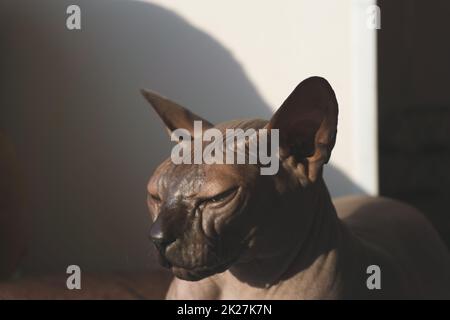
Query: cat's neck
[[307, 248]]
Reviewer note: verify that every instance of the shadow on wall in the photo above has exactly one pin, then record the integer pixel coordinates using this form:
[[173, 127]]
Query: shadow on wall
[[86, 139]]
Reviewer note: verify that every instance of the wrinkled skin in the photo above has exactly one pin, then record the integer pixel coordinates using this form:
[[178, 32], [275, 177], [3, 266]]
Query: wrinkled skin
[[208, 214]]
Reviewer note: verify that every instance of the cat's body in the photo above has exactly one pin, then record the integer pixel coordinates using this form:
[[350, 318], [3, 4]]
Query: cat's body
[[228, 232]]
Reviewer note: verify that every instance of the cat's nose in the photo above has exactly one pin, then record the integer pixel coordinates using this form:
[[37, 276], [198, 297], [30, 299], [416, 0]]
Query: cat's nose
[[160, 238]]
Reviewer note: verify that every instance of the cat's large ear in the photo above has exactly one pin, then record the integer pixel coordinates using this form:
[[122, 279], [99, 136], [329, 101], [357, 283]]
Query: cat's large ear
[[172, 114], [307, 123]]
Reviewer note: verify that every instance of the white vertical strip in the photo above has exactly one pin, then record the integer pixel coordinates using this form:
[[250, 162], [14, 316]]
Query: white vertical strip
[[364, 88]]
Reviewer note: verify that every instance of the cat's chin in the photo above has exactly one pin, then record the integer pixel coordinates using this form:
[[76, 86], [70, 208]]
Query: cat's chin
[[199, 273]]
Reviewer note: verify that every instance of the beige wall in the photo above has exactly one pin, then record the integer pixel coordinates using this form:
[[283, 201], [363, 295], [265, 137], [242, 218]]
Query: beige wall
[[279, 43]]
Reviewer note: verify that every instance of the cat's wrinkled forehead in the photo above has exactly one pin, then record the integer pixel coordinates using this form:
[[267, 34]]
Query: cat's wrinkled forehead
[[171, 176], [178, 179]]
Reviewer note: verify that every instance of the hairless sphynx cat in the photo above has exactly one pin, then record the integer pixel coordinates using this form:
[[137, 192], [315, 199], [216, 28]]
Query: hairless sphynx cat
[[228, 232]]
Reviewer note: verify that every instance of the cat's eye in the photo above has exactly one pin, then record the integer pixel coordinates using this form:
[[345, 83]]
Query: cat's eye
[[223, 195], [155, 197]]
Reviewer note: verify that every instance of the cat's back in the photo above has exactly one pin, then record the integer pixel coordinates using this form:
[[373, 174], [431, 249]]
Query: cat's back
[[405, 236]]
